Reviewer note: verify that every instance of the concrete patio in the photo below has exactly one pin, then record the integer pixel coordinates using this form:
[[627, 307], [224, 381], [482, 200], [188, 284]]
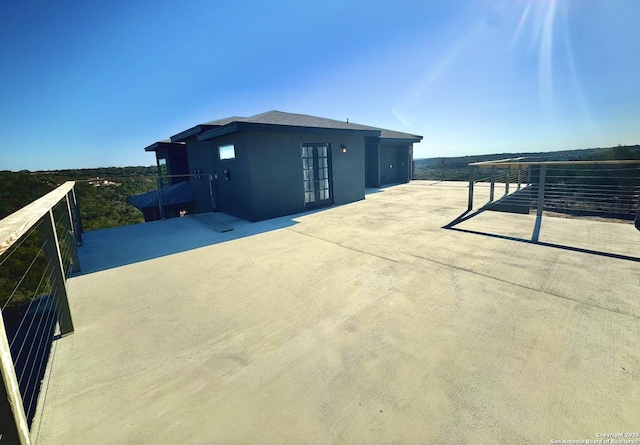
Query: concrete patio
[[364, 323]]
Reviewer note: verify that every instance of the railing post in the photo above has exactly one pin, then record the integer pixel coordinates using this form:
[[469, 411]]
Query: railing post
[[47, 232], [493, 183], [70, 233], [638, 215], [160, 203], [519, 177], [77, 219], [13, 421], [543, 173], [471, 179], [213, 200], [506, 182]]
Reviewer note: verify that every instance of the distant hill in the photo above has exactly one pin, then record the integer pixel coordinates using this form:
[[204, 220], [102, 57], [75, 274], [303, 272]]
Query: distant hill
[[102, 203], [457, 168], [105, 205]]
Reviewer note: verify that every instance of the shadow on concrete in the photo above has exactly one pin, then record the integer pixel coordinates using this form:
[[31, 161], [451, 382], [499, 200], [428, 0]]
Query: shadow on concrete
[[535, 237], [372, 190], [463, 217], [536, 229], [120, 246], [545, 244]]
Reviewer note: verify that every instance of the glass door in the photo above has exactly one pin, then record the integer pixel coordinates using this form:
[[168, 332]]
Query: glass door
[[316, 162]]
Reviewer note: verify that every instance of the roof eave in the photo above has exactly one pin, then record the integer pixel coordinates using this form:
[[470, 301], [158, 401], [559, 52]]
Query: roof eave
[[215, 132], [190, 132], [162, 144], [400, 140], [276, 128]]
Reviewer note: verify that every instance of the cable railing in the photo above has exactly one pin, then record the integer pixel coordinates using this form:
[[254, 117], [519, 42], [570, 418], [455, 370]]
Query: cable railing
[[607, 189], [37, 254]]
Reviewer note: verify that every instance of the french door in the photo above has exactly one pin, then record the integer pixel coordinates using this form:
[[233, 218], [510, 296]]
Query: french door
[[316, 170]]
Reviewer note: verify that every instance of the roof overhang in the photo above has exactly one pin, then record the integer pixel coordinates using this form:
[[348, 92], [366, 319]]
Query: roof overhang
[[191, 132], [171, 194], [272, 128], [164, 144], [392, 141]]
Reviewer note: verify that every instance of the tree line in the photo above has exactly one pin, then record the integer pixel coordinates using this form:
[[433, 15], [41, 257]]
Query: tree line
[[457, 168], [100, 207]]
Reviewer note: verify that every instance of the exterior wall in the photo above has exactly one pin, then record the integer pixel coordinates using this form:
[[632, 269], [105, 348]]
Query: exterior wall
[[410, 161], [177, 164], [371, 162], [232, 195], [348, 169], [233, 191], [276, 171], [276, 174], [395, 165], [201, 161]]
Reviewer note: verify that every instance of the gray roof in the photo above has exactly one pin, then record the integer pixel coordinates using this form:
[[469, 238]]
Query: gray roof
[[302, 120], [281, 118], [224, 121], [179, 193], [275, 117], [391, 134]]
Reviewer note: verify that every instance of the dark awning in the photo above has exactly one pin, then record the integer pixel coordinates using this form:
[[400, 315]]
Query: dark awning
[[172, 194]]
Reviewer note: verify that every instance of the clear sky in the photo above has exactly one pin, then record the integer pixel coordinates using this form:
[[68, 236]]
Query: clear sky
[[90, 84]]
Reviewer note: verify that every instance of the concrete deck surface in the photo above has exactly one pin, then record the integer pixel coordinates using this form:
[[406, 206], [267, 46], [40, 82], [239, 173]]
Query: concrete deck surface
[[367, 323]]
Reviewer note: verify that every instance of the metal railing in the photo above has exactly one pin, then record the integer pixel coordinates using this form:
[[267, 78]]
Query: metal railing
[[37, 254], [607, 189]]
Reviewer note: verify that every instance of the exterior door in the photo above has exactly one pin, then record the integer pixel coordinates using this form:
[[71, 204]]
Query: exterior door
[[316, 170]]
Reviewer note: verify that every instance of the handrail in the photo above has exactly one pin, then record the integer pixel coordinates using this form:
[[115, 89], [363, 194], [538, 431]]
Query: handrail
[[497, 161], [562, 195], [526, 163], [39, 216], [14, 226]]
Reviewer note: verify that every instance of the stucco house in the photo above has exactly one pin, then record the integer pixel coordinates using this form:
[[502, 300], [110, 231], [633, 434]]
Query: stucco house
[[277, 163]]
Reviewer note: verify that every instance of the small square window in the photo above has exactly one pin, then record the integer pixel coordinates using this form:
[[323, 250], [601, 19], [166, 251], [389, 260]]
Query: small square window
[[227, 152]]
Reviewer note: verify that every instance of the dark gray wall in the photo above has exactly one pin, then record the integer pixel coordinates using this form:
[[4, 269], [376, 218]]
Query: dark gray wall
[[276, 170], [276, 174], [348, 169], [177, 164], [395, 165], [266, 174], [410, 160], [372, 179], [200, 159], [232, 196]]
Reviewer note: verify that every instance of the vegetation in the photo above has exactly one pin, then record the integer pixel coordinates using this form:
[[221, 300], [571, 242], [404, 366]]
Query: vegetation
[[457, 168], [101, 206]]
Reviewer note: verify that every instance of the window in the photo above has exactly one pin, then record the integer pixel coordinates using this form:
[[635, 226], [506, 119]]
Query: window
[[163, 171], [227, 152]]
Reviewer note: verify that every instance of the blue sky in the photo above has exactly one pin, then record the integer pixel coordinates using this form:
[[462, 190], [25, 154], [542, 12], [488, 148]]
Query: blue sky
[[90, 84]]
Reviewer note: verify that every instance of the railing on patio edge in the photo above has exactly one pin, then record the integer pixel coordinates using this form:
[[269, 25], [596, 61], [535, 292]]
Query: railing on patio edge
[[609, 188], [54, 222]]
